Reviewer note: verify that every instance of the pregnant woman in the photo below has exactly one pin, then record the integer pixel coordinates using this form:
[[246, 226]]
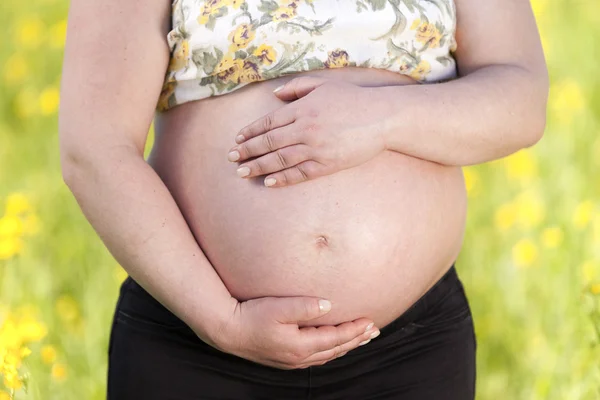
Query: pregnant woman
[[294, 231]]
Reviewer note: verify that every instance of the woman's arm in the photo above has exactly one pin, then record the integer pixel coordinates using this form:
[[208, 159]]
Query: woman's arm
[[115, 60], [495, 108], [112, 75]]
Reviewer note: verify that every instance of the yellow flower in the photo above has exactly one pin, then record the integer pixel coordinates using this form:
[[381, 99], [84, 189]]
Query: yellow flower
[[595, 288], [180, 56], [337, 58], [229, 69], [428, 34], [416, 23], [9, 335], [10, 226], [49, 100], [32, 330], [4, 395], [59, 372], [283, 14], [552, 237], [521, 165], [266, 53], [15, 69], [13, 381], [209, 8], [583, 214], [505, 216], [168, 90], [524, 253], [30, 32], [240, 37], [67, 308], [24, 352], [10, 247], [48, 354], [421, 70], [250, 72], [16, 204]]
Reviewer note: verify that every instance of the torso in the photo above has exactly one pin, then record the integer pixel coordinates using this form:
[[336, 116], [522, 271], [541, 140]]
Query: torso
[[372, 239]]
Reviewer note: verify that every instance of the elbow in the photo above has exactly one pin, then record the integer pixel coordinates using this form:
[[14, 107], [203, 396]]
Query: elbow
[[78, 160], [535, 118], [536, 129], [71, 165]]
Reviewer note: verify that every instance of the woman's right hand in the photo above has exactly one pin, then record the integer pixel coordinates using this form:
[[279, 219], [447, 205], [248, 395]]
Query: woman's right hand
[[266, 330]]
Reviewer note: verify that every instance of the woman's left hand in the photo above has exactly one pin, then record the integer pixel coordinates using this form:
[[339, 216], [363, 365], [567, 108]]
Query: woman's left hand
[[328, 128]]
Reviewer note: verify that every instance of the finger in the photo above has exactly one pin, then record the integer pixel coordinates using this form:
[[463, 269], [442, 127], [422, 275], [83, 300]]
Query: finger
[[281, 117], [299, 87], [275, 161], [302, 172], [327, 337], [291, 310], [266, 143], [338, 351]]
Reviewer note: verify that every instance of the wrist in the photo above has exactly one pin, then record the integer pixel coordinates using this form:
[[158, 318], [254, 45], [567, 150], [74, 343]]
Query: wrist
[[384, 105], [215, 327]]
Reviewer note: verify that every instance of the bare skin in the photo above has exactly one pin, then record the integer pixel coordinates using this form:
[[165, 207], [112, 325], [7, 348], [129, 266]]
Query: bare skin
[[361, 238], [244, 264]]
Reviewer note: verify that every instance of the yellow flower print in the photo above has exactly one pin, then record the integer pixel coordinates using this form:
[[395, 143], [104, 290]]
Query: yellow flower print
[[266, 53], [210, 7], [229, 69], [180, 56], [428, 34], [421, 70], [336, 59], [241, 37], [283, 14], [250, 72], [404, 67], [415, 24], [166, 93]]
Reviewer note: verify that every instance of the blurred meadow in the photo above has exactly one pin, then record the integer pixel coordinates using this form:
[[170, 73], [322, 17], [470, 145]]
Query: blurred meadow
[[530, 262]]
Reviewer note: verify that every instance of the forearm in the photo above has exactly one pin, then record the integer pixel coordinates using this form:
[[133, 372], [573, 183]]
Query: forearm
[[138, 220], [483, 116]]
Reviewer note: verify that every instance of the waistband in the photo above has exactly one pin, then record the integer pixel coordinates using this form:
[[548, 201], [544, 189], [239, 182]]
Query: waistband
[[433, 296], [439, 291]]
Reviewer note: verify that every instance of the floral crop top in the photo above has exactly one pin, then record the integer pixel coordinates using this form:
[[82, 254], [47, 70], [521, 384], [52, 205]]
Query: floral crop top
[[218, 46]]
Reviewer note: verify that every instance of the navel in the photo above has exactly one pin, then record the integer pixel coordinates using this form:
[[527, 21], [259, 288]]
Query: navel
[[322, 241]]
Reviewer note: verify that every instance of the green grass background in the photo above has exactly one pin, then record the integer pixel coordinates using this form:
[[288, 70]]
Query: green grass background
[[530, 262]]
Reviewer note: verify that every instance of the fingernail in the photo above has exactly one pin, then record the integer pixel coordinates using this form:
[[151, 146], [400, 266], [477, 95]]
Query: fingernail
[[343, 354], [239, 139], [270, 181], [278, 88], [369, 327], [375, 334], [365, 342], [324, 305], [243, 171], [233, 156]]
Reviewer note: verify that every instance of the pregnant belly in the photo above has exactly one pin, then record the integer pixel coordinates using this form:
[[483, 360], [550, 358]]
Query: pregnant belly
[[371, 239]]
